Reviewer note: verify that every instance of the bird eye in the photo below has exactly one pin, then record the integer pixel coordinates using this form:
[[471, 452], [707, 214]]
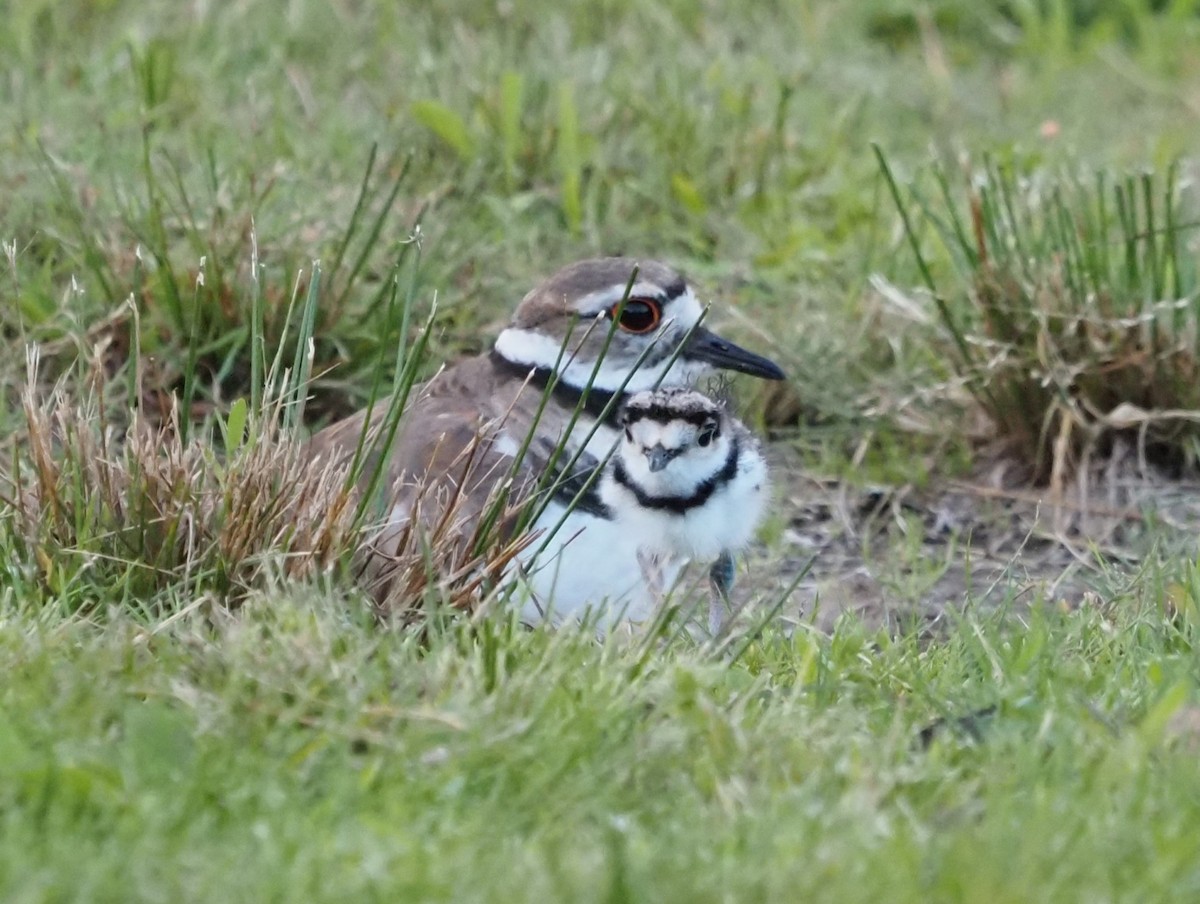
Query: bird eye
[[710, 431], [640, 315], [628, 435]]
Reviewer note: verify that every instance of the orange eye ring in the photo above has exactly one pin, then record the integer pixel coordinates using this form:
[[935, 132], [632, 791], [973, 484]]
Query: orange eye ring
[[640, 315]]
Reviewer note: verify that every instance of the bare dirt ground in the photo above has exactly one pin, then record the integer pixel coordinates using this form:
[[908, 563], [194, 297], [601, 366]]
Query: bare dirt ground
[[903, 558]]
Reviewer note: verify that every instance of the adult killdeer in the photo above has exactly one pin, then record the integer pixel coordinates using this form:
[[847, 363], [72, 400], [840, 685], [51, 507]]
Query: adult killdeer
[[586, 336], [687, 481]]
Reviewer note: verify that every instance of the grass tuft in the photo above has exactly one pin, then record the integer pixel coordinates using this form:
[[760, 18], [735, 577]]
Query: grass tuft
[[1072, 313], [138, 515]]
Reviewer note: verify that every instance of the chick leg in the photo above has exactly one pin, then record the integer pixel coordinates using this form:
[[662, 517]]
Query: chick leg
[[652, 574], [720, 583]]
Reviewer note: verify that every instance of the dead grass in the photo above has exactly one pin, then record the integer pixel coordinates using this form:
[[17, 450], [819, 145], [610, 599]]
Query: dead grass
[[100, 508]]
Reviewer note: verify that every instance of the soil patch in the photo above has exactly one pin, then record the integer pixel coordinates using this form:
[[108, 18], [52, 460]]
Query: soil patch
[[902, 558]]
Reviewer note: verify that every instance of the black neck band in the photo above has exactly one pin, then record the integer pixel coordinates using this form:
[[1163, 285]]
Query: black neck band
[[565, 394], [680, 505]]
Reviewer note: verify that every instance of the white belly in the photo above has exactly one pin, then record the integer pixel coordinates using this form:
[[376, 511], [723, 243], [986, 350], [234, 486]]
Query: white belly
[[589, 569], [725, 523]]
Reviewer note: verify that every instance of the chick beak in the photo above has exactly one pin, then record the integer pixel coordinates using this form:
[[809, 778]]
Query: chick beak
[[659, 457]]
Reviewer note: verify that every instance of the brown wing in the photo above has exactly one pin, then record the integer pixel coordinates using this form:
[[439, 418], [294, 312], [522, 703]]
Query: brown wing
[[446, 442], [439, 482]]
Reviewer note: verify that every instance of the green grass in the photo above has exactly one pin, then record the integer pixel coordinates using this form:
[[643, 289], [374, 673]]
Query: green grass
[[251, 176], [294, 754]]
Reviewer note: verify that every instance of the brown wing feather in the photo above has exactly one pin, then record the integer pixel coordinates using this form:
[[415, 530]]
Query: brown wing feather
[[443, 464], [445, 438]]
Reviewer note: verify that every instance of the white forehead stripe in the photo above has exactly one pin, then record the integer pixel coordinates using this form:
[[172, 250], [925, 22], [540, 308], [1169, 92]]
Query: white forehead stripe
[[686, 310]]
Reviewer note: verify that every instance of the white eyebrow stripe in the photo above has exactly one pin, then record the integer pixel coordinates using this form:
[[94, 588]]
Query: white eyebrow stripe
[[531, 347], [595, 302]]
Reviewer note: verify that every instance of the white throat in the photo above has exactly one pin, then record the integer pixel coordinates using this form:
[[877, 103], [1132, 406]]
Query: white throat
[[682, 477]]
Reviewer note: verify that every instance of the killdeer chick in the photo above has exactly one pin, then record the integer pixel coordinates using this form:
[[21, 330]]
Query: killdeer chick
[[687, 481], [691, 482], [585, 336]]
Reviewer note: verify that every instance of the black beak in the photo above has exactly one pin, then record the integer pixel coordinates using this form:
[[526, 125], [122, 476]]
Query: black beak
[[724, 355]]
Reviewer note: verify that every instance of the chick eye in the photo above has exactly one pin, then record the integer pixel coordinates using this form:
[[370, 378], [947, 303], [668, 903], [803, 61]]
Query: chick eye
[[640, 315], [628, 435], [708, 433]]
